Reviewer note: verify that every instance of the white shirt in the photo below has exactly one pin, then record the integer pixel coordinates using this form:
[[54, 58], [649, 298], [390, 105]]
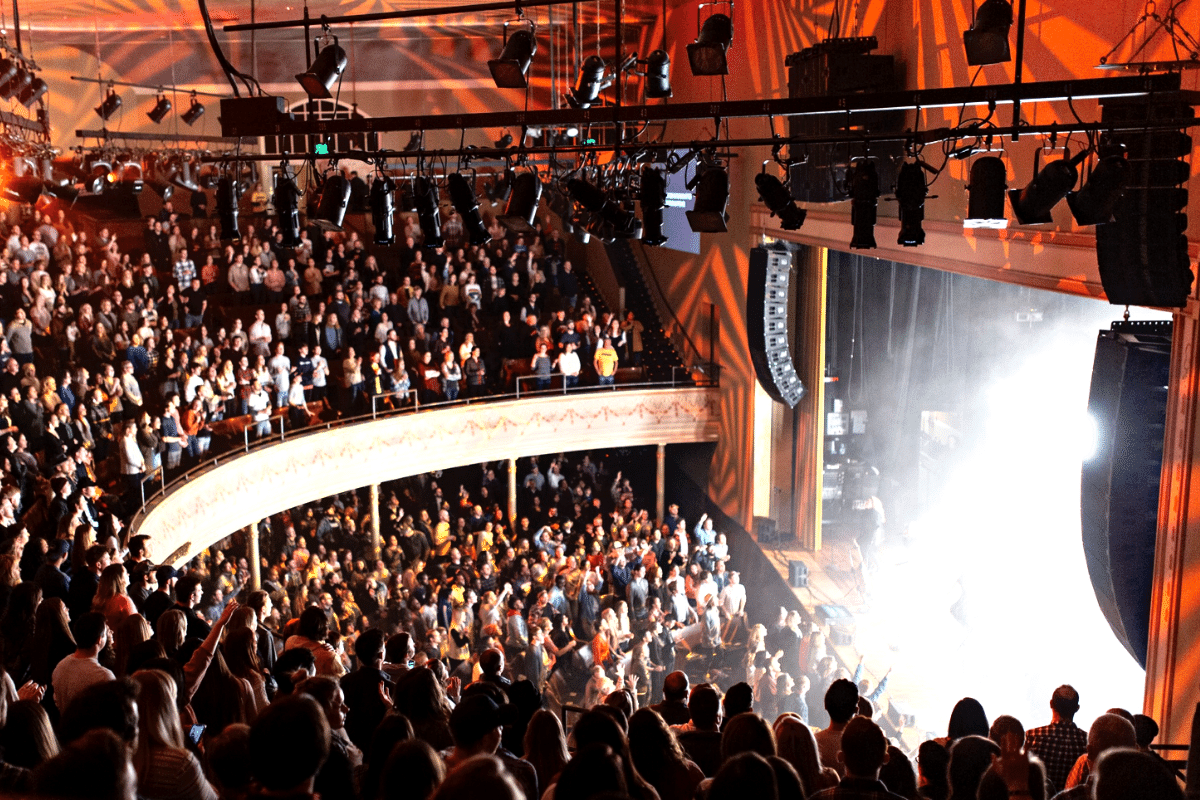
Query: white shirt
[[259, 405], [74, 674], [260, 331], [733, 598], [568, 363]]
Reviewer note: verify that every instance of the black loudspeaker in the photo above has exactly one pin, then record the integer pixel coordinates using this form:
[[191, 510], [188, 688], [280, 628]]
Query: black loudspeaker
[[765, 531], [1143, 252], [838, 67], [798, 574], [766, 324], [1120, 482]]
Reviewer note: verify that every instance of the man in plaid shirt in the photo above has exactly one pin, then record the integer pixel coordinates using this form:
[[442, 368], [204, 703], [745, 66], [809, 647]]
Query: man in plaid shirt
[[185, 270], [1060, 743]]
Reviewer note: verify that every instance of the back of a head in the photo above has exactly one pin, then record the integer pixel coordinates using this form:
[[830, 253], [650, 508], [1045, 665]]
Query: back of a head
[[594, 770], [970, 757], [313, 624], [841, 701], [932, 762], [898, 774], [396, 650], [228, 756], [1146, 729], [1065, 701], [491, 661], [622, 701], [369, 645], [110, 705], [597, 726], [744, 775], [88, 629], [993, 787], [289, 741], [1004, 725], [480, 776], [1107, 732], [747, 733], [413, 770], [798, 746], [738, 700], [675, 686], [94, 767], [1126, 774], [967, 719], [864, 747], [704, 706], [788, 785]]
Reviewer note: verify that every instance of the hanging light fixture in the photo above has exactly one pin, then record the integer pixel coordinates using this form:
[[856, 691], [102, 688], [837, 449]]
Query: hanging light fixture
[[287, 207], [31, 92], [658, 74], [1095, 202], [653, 199], [606, 208], [987, 40], [1033, 204], [227, 207], [911, 191], [326, 69], [985, 204], [335, 199], [194, 112], [707, 53], [712, 196], [382, 200], [778, 200], [523, 201], [160, 110], [509, 71], [26, 189], [462, 195], [863, 183], [429, 215], [112, 102], [590, 84]]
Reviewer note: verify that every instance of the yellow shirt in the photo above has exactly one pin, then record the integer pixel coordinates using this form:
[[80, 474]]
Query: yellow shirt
[[441, 539], [606, 361]]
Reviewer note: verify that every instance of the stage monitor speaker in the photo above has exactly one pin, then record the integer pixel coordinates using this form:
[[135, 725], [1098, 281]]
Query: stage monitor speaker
[[900, 715], [1143, 253], [765, 531], [767, 324], [1120, 482], [798, 574]]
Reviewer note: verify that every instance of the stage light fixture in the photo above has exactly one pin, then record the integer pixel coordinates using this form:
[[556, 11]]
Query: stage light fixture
[[1033, 204], [227, 208], [658, 74], [523, 201], [504, 142], [779, 202], [286, 199], [382, 200], [194, 112], [707, 53], [462, 195], [911, 191], [110, 105], [510, 69], [32, 92], [712, 196], [428, 214], [618, 220], [98, 175], [325, 71], [335, 199], [184, 178], [161, 187], [1095, 202], [863, 183], [498, 191], [653, 199], [160, 110], [416, 141], [988, 184], [26, 189], [987, 40], [20, 82], [8, 71], [66, 193], [590, 84]]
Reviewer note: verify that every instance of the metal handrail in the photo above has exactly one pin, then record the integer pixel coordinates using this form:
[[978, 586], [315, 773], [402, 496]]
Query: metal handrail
[[148, 501]]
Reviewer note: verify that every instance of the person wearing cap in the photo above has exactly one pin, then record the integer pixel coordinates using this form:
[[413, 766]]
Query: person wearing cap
[[161, 598], [141, 584], [476, 725], [54, 582]]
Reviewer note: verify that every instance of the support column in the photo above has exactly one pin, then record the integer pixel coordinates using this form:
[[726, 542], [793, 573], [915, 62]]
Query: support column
[[1172, 671], [660, 485], [512, 491], [254, 558], [376, 522], [811, 270]]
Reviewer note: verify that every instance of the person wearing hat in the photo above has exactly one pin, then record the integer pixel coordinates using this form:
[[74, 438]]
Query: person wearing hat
[[54, 582], [141, 584], [161, 598], [476, 725]]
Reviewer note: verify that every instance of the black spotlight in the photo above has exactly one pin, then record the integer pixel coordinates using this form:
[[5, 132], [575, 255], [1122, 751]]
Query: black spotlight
[[504, 142], [32, 92], [653, 198], [162, 188], [1095, 202], [227, 208], [658, 74], [160, 110], [65, 193], [287, 208], [510, 69], [863, 183], [416, 141], [8, 71], [707, 53], [110, 105], [428, 213], [335, 198], [20, 82], [383, 204], [194, 112], [987, 40], [985, 207], [779, 201], [712, 196], [23, 190], [523, 201], [1033, 204], [590, 84], [462, 195], [911, 192], [324, 72], [609, 210]]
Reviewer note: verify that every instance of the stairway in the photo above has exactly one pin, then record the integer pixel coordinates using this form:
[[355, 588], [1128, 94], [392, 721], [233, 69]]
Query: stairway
[[658, 354]]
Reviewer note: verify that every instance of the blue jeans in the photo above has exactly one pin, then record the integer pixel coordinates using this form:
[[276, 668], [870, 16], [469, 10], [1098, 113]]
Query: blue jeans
[[451, 390], [608, 380], [571, 381], [192, 320], [542, 384]]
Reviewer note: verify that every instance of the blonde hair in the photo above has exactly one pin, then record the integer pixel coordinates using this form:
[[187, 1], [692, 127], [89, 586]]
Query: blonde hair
[[171, 629], [132, 631], [113, 582], [158, 717]]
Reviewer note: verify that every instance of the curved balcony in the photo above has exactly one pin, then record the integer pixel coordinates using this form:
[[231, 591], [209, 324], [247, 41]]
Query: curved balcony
[[236, 490]]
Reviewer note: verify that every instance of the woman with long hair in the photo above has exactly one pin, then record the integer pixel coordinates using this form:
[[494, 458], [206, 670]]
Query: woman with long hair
[[171, 630], [546, 746], [166, 770], [112, 599], [599, 727], [335, 780], [420, 697], [659, 757], [217, 701], [52, 642], [240, 650], [27, 737], [797, 746], [16, 629], [131, 632]]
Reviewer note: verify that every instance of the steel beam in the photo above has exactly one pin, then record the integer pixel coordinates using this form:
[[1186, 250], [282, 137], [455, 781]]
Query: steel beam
[[1040, 92], [411, 13], [154, 137]]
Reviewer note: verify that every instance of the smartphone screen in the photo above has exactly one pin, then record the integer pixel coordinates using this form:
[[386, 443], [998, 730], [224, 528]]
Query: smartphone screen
[[195, 732]]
